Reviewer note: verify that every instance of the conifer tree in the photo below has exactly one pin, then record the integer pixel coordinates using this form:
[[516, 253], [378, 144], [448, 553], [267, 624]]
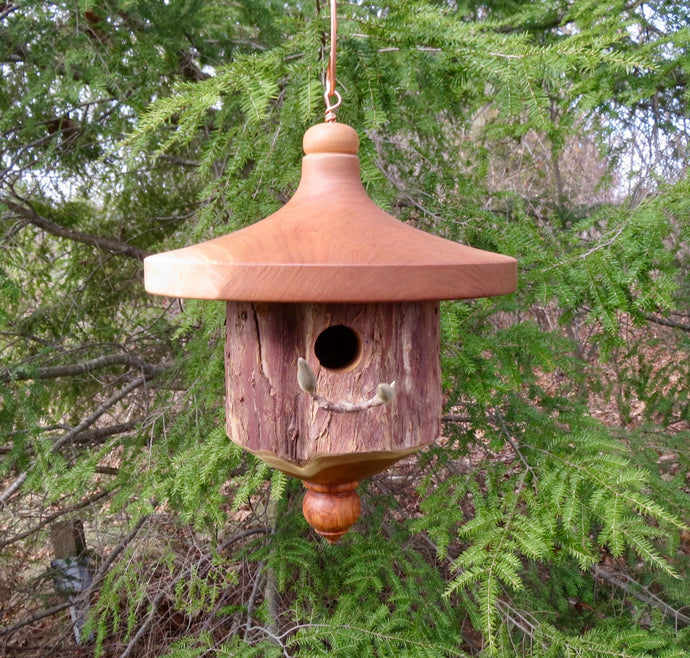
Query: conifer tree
[[550, 519]]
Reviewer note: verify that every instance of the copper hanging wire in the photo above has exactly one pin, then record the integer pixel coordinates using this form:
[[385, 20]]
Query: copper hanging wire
[[330, 71]]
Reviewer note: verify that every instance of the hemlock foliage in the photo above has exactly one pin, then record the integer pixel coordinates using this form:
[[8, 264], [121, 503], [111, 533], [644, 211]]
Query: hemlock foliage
[[551, 517]]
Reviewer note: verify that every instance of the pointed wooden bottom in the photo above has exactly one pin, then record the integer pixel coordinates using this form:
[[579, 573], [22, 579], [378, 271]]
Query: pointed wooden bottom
[[331, 509]]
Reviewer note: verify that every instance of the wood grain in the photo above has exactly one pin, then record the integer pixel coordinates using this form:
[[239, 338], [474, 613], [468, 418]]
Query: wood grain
[[331, 509], [330, 243]]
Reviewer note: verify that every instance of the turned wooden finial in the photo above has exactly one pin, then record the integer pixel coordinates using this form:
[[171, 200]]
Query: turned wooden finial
[[331, 509], [331, 138]]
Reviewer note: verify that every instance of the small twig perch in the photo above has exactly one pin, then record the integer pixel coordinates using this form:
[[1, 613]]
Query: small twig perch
[[307, 382]]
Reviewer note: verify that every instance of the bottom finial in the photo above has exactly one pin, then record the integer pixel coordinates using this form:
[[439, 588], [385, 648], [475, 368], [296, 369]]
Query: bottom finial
[[331, 508]]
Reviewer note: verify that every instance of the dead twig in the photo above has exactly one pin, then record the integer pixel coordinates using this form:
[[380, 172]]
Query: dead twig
[[632, 588], [51, 517]]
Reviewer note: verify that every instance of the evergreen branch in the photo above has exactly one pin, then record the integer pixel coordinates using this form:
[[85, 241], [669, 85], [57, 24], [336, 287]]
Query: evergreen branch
[[506, 433], [81, 368], [145, 626], [72, 434], [401, 189], [365, 631], [548, 637], [587, 254], [278, 639], [183, 577], [108, 244]]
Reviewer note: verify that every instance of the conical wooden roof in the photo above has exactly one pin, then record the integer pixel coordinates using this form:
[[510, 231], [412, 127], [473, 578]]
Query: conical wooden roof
[[330, 243]]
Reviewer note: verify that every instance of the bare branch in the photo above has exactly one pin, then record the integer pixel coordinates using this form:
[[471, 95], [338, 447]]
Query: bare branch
[[454, 418], [81, 368], [667, 322], [90, 420], [90, 436], [118, 549], [33, 618], [55, 515], [26, 211], [13, 488], [238, 536], [632, 588]]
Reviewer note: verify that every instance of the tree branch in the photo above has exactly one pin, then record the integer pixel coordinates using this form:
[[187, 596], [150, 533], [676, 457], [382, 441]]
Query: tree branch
[[108, 244], [118, 549], [51, 517], [666, 322], [90, 420], [145, 626], [454, 418], [14, 487], [90, 436], [71, 435], [238, 536], [81, 368], [631, 587], [33, 618]]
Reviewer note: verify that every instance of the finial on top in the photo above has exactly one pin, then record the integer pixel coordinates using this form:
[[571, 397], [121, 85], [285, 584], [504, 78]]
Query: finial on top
[[331, 138]]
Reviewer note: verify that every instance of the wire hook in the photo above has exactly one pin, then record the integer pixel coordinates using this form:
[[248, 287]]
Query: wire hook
[[332, 107]]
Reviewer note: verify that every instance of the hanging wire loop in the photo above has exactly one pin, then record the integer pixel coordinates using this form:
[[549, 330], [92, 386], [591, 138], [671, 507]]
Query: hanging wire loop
[[330, 71], [332, 107]]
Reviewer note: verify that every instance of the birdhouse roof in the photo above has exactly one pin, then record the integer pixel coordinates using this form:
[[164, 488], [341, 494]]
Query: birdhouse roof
[[330, 243]]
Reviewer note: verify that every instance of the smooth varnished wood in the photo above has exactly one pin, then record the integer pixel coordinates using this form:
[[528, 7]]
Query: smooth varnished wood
[[331, 509], [330, 243]]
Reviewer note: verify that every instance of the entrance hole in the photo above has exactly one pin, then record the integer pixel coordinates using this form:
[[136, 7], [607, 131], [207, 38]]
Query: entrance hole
[[338, 348]]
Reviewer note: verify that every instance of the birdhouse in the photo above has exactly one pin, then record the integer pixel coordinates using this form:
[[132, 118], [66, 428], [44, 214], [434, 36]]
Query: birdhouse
[[332, 349]]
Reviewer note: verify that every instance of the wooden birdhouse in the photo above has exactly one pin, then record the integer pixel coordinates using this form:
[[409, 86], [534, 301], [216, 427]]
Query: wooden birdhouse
[[332, 348]]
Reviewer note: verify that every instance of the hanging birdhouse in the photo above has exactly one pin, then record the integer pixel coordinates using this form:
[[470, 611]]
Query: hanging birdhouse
[[332, 356], [332, 347]]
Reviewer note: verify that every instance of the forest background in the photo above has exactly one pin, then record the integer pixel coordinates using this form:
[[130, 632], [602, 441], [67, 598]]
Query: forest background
[[550, 519]]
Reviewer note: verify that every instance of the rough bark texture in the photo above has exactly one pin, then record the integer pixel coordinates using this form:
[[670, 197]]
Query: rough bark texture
[[68, 539], [270, 416]]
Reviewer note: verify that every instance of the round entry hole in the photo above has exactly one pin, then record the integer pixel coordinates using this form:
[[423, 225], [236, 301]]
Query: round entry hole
[[338, 347]]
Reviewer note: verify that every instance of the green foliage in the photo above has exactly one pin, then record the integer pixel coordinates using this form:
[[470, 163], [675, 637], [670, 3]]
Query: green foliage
[[550, 519]]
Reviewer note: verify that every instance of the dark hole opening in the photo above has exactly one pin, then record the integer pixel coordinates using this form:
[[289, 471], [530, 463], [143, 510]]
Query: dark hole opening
[[337, 347]]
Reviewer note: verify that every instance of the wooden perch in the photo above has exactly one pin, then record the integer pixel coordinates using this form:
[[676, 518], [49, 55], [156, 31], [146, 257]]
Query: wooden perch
[[307, 382]]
